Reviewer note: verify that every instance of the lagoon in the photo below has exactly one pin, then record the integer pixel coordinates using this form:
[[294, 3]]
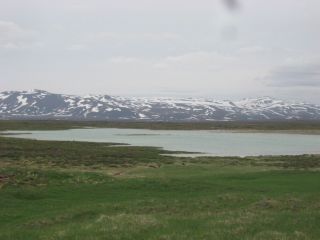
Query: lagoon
[[206, 142]]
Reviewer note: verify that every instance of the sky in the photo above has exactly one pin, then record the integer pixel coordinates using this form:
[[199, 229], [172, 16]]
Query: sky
[[222, 49]]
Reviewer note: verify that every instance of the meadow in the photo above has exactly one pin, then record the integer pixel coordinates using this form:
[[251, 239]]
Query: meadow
[[79, 190]]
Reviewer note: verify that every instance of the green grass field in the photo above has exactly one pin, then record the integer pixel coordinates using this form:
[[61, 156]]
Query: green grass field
[[78, 190]]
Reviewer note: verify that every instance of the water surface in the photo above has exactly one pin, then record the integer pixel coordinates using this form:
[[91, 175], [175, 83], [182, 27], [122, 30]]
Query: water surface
[[213, 143]]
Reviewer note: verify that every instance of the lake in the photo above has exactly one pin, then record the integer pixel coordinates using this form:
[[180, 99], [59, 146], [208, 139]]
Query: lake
[[207, 142]]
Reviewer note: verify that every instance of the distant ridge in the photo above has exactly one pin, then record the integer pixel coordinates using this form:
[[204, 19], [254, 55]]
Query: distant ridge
[[39, 104]]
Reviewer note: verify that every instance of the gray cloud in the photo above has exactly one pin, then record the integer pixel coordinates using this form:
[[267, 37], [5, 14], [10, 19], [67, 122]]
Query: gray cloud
[[14, 36], [231, 4], [229, 33], [295, 76]]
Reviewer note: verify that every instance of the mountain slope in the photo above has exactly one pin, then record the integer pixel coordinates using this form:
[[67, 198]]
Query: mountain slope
[[39, 104]]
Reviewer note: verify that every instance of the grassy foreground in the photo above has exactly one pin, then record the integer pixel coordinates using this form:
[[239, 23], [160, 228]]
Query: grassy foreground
[[78, 190]]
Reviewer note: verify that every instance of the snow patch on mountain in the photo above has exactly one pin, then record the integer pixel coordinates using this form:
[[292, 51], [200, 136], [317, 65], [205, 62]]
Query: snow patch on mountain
[[38, 104]]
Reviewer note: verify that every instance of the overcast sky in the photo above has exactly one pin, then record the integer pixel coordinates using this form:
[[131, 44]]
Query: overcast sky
[[178, 48]]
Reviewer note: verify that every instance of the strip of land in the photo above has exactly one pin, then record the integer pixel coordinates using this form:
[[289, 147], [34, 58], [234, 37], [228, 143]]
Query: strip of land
[[240, 126]]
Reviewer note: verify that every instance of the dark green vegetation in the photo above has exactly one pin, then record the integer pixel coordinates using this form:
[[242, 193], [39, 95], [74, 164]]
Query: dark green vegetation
[[253, 125], [78, 190]]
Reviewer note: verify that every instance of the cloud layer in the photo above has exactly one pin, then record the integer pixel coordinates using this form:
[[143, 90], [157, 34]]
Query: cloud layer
[[14, 36], [216, 48], [307, 75]]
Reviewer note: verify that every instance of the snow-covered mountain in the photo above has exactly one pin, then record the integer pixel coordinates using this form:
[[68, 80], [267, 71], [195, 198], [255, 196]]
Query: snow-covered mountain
[[38, 104]]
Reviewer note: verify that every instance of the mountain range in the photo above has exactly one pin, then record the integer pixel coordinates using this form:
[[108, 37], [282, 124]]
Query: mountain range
[[39, 104]]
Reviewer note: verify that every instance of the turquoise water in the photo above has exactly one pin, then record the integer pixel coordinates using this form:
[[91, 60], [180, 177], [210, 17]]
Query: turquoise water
[[215, 143]]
